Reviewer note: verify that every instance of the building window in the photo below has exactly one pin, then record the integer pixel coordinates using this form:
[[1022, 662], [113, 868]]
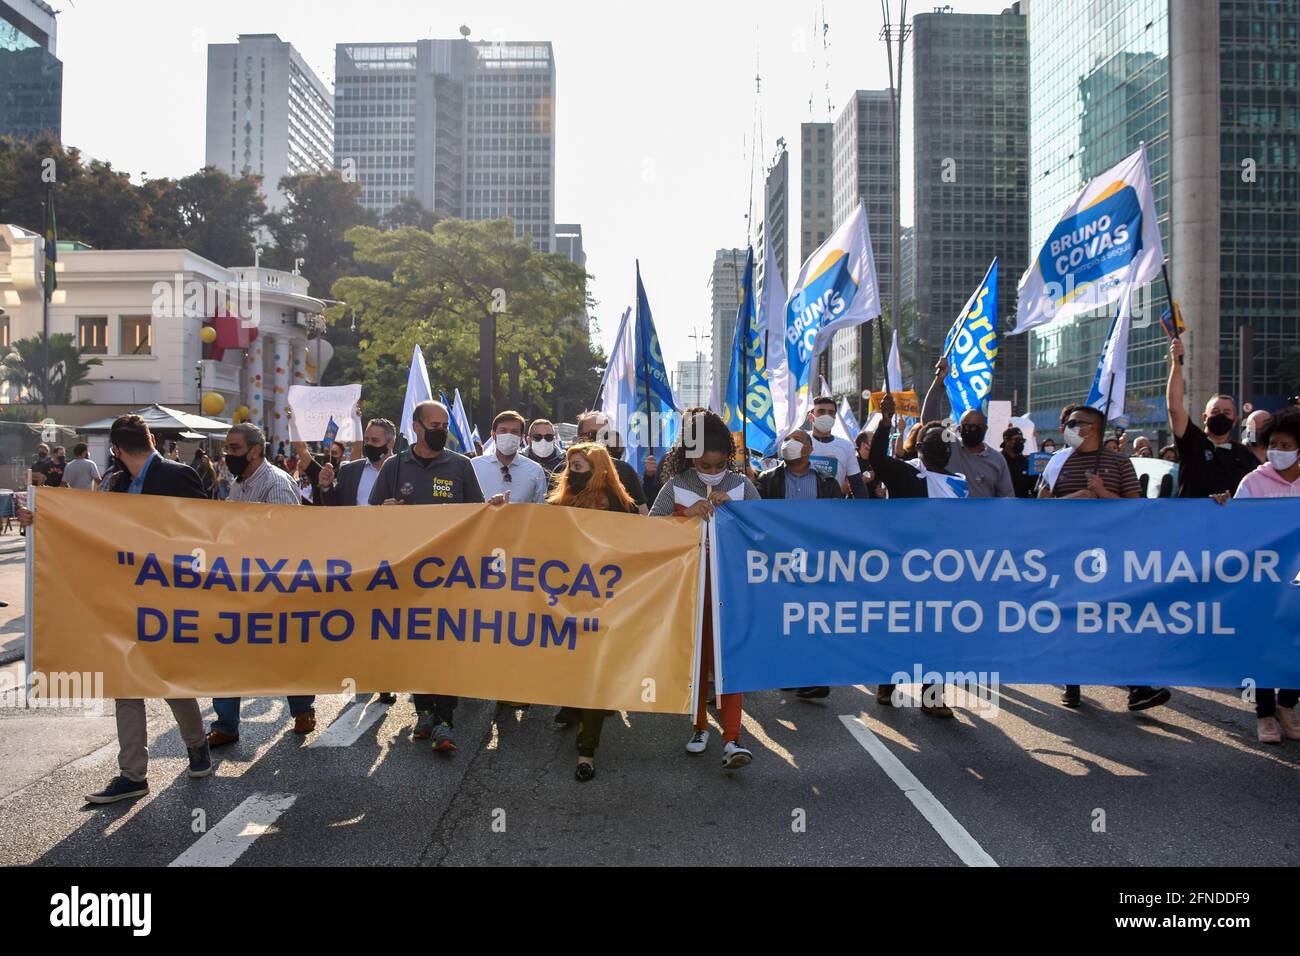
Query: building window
[[92, 334], [136, 335]]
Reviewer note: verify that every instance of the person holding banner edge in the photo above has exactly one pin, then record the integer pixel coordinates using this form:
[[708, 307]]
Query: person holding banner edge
[[698, 478], [1087, 470]]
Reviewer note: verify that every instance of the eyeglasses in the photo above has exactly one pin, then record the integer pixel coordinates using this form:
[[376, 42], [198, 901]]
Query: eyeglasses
[[541, 438], [1078, 423]]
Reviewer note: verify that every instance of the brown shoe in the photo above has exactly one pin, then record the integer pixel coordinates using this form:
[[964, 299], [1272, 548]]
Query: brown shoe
[[219, 738], [305, 722]]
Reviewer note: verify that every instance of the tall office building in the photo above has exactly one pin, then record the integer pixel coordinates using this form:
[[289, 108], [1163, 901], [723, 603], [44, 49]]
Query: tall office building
[[775, 227], [970, 94], [864, 165], [31, 76], [817, 183], [568, 243], [692, 385], [268, 112], [907, 263], [467, 128], [1223, 149], [724, 301]]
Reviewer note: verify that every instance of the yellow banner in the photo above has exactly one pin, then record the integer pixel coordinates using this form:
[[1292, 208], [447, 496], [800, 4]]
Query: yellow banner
[[905, 403], [179, 598]]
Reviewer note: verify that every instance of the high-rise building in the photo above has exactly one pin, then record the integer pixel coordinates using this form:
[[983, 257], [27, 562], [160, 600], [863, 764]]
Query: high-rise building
[[817, 182], [907, 263], [774, 229], [1223, 150], [31, 75], [268, 112], [724, 301], [467, 128], [970, 94], [568, 243], [864, 165], [692, 385]]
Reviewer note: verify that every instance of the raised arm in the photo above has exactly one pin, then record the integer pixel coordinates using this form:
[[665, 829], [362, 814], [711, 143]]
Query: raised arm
[[1174, 390], [931, 408]]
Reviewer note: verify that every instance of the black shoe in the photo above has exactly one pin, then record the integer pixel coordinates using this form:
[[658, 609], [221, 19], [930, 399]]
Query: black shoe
[[584, 772], [201, 761], [813, 693], [119, 789], [1144, 698], [1071, 696], [387, 697], [565, 717], [885, 695]]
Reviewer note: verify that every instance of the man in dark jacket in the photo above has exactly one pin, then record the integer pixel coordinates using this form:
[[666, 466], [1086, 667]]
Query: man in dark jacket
[[145, 472], [795, 477], [544, 446], [350, 484]]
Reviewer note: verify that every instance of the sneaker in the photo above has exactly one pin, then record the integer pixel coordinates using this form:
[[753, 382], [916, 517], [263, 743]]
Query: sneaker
[[885, 695], [1144, 698], [1071, 696], [120, 788], [387, 697], [219, 738], [699, 740], [200, 760], [584, 772], [813, 693], [1269, 731], [442, 739], [304, 723], [1286, 716], [735, 756], [936, 710], [423, 726], [565, 717]]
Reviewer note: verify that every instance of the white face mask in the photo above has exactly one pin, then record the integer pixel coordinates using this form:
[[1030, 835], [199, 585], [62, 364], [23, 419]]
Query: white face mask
[[508, 444], [792, 449], [1282, 460], [1072, 437], [543, 449], [824, 423], [711, 480]]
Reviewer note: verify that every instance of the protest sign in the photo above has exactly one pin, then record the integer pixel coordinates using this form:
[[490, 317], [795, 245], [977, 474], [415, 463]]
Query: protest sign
[[905, 403], [312, 407]]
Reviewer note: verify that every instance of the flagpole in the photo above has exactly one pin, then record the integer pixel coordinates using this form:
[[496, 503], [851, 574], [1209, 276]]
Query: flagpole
[[1173, 308]]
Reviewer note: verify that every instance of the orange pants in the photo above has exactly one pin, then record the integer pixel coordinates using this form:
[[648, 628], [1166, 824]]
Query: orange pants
[[731, 703]]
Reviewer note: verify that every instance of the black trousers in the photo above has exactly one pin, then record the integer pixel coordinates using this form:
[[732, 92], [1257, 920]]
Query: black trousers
[[1267, 702], [589, 724], [442, 705]]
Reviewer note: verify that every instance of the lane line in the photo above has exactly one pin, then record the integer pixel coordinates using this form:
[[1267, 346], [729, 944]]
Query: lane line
[[226, 842], [936, 814], [348, 726]]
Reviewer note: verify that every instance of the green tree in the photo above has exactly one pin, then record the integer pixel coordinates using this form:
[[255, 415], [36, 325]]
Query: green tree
[[218, 214], [318, 211], [409, 212], [24, 367], [435, 288]]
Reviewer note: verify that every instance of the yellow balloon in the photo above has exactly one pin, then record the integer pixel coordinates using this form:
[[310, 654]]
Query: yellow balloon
[[241, 414], [213, 403], [208, 334]]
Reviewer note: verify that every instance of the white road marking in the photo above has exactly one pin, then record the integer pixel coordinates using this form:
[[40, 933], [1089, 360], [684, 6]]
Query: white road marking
[[348, 726], [935, 813], [226, 842]]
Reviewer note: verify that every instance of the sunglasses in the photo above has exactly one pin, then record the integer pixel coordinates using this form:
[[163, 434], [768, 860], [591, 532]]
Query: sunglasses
[[505, 475], [1078, 423], [541, 438]]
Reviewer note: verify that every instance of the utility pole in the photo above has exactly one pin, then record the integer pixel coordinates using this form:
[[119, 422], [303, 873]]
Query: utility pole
[[892, 34]]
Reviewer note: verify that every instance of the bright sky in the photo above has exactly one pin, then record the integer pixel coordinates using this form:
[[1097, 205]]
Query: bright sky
[[654, 108]]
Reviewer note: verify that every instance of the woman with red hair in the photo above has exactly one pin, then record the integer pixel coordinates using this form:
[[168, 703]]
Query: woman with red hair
[[589, 480]]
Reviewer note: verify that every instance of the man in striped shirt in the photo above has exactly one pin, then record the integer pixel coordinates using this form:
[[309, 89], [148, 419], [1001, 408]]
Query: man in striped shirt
[[256, 480]]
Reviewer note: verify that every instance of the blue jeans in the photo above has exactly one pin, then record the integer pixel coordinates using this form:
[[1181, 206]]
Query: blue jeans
[[227, 709]]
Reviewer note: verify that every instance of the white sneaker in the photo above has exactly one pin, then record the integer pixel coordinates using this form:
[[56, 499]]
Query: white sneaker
[[735, 756], [699, 740]]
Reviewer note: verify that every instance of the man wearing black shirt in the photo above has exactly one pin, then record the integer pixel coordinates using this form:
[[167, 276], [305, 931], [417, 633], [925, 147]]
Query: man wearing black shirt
[[1013, 450], [1210, 462]]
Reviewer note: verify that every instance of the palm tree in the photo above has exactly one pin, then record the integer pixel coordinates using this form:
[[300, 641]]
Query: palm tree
[[23, 367]]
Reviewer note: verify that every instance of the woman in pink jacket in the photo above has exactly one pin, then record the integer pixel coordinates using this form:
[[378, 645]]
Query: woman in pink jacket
[[1279, 477]]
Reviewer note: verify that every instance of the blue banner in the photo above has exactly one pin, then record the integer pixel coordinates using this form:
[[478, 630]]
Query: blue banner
[[655, 434], [1179, 592], [748, 365], [972, 348]]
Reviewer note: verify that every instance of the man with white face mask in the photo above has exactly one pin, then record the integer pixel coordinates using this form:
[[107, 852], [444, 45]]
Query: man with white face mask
[[834, 456], [506, 476], [795, 478], [544, 446]]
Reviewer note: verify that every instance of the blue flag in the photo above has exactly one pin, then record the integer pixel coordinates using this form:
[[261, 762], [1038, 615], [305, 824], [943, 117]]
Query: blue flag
[[972, 348], [651, 424], [747, 382]]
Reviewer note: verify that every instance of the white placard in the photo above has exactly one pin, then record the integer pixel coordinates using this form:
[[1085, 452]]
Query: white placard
[[313, 406], [1028, 429]]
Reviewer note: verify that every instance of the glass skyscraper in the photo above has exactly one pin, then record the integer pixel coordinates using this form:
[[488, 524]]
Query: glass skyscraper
[[31, 76]]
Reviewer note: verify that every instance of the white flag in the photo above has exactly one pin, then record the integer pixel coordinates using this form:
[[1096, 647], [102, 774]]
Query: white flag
[[1110, 226], [1111, 380], [618, 394], [895, 366], [417, 391]]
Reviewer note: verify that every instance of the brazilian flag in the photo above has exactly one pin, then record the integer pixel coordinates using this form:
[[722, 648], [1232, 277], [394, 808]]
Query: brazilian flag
[[51, 245]]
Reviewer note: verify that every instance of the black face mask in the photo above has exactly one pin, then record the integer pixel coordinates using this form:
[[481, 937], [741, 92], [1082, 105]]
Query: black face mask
[[615, 451], [973, 435], [374, 452], [935, 453], [1219, 424], [435, 438], [1018, 446], [578, 480], [236, 464]]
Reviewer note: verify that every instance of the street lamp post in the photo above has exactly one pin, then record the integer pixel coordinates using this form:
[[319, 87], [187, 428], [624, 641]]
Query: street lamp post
[[892, 34]]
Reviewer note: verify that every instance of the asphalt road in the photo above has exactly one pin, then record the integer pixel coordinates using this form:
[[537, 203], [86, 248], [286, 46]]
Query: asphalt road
[[1027, 784]]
